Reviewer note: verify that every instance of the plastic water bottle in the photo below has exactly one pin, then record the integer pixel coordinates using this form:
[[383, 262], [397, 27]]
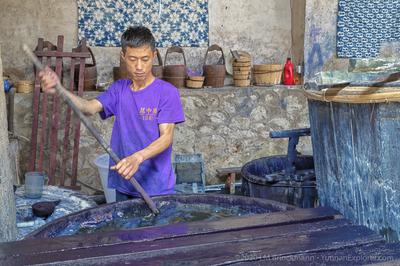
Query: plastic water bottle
[[288, 77]]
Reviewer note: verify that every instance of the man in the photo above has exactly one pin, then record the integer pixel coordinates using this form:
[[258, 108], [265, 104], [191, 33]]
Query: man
[[146, 110]]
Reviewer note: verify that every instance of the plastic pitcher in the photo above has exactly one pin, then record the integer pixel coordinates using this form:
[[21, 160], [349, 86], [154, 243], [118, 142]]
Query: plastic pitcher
[[34, 182], [102, 163]]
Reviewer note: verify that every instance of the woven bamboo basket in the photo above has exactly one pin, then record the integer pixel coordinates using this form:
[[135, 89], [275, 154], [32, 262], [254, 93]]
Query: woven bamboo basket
[[241, 73], [242, 82], [243, 60], [242, 69], [267, 67], [241, 64], [268, 74], [241, 76], [195, 82], [196, 78], [25, 86]]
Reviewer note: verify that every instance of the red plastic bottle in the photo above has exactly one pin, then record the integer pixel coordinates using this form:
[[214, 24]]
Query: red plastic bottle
[[288, 76]]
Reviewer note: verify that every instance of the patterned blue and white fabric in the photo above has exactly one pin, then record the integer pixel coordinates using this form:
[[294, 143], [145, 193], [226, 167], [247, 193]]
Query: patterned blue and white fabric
[[363, 25], [173, 22]]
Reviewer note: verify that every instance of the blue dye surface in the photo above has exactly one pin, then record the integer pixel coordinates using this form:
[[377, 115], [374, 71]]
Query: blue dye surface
[[170, 213]]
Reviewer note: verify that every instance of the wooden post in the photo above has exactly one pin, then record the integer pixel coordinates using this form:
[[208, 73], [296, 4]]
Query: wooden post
[[230, 180], [8, 228], [230, 174]]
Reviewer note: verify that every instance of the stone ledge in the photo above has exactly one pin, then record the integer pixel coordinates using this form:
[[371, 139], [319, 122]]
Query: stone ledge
[[233, 88], [207, 90]]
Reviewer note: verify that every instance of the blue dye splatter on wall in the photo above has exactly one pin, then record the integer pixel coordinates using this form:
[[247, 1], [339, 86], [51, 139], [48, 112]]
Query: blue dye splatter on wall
[[173, 22]]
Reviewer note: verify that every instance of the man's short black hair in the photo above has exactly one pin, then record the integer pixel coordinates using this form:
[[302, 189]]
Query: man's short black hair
[[138, 36]]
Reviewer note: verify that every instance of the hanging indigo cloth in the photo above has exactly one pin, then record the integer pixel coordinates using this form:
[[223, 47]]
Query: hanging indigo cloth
[[363, 25], [173, 22]]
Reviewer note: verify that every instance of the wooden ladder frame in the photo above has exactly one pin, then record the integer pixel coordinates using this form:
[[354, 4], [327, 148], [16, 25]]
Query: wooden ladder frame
[[49, 130]]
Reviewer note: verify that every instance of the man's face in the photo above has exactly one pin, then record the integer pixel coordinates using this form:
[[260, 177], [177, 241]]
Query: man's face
[[139, 62]]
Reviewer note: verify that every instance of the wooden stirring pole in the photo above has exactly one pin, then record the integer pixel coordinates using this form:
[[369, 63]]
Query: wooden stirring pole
[[61, 91]]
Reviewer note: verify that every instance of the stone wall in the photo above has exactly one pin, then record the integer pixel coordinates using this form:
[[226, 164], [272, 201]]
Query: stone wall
[[262, 27], [229, 126]]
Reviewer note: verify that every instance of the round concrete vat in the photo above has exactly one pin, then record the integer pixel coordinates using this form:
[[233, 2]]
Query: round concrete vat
[[108, 215]]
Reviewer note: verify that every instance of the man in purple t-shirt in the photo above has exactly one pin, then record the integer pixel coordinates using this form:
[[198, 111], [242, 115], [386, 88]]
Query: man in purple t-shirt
[[146, 110]]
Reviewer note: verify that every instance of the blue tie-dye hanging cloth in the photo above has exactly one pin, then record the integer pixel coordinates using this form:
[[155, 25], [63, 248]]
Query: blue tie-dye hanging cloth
[[173, 22], [363, 25]]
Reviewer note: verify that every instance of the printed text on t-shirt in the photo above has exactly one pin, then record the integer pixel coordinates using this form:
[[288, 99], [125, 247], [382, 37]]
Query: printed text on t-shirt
[[148, 113]]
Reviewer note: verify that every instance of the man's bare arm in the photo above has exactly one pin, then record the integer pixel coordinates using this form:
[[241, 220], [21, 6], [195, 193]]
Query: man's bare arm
[[49, 79], [128, 166]]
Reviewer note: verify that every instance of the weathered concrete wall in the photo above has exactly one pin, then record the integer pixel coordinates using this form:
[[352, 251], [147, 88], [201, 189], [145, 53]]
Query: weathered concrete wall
[[229, 126], [254, 26], [8, 228], [262, 27], [298, 27], [24, 21], [320, 38]]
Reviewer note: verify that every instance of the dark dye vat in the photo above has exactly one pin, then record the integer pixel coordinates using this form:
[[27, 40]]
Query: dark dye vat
[[301, 193], [173, 209]]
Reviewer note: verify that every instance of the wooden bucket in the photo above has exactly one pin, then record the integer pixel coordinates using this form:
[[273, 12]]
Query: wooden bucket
[[178, 82], [25, 86], [214, 74], [175, 74], [158, 69], [90, 74], [117, 73], [267, 74], [123, 72]]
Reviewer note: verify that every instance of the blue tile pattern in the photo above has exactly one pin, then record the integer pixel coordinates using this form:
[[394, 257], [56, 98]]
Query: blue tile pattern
[[173, 22], [363, 25]]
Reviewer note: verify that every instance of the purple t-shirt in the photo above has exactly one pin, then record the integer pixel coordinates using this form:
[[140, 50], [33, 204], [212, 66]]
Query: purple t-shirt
[[137, 116]]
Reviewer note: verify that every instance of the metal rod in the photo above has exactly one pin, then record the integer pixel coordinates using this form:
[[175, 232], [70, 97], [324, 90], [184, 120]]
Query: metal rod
[[61, 90]]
